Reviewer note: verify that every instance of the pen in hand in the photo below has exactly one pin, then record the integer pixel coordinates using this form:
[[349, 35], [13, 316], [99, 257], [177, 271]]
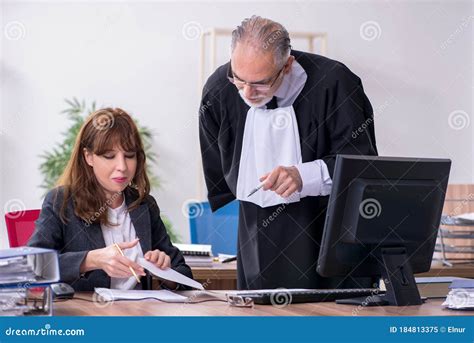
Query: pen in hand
[[131, 269], [256, 189]]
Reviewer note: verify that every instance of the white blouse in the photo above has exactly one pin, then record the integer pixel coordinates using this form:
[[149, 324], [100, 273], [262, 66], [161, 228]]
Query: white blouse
[[124, 231]]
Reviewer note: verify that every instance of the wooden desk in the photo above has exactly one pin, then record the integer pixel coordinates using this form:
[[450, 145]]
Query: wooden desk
[[224, 275], [219, 276], [76, 307]]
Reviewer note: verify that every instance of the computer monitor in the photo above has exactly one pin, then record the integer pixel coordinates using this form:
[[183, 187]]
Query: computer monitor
[[382, 220]]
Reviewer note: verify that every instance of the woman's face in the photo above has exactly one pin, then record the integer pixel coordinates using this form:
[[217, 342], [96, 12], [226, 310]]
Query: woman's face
[[114, 169]]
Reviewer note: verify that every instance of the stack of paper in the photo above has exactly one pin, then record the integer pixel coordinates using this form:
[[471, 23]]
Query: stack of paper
[[16, 269], [13, 301], [28, 265], [21, 269], [435, 286], [461, 295], [195, 249], [196, 255], [199, 261], [461, 219], [466, 218]]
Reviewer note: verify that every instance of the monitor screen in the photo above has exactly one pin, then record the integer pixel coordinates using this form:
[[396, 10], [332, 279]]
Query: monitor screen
[[380, 207]]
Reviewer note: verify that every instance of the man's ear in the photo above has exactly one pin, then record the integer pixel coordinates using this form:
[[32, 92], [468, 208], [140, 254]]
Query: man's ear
[[88, 157], [289, 64]]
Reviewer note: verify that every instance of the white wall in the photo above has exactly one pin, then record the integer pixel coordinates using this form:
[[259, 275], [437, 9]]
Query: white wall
[[417, 72]]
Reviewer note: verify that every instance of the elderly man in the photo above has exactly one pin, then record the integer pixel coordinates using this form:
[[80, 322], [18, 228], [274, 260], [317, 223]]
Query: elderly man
[[275, 117]]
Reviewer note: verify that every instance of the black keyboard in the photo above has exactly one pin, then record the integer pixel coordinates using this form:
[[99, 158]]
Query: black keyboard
[[289, 296]]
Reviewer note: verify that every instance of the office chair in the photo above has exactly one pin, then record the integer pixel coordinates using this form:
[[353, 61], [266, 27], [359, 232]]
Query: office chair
[[218, 229], [20, 226]]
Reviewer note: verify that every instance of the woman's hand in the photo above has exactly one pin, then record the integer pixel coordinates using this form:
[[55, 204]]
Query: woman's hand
[[158, 258], [111, 261], [162, 261]]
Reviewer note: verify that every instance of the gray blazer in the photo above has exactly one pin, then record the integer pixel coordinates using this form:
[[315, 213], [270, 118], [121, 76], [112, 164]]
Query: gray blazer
[[75, 238]]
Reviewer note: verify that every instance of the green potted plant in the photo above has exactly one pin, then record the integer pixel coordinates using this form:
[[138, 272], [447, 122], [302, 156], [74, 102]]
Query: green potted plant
[[55, 161]]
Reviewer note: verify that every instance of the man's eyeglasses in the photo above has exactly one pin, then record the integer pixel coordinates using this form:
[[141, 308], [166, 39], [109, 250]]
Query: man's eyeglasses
[[262, 86]]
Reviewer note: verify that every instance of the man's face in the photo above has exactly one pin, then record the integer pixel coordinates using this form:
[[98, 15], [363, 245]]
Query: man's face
[[255, 74]]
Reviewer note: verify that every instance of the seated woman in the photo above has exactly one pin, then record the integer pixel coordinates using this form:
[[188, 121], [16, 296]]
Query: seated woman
[[103, 199]]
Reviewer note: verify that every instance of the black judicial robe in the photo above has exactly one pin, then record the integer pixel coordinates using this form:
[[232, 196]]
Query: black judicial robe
[[278, 246]]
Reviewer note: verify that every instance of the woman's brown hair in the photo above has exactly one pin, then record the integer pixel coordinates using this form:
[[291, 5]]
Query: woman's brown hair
[[102, 131]]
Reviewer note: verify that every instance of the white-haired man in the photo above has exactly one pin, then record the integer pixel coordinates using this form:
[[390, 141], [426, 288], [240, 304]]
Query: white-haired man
[[277, 116]]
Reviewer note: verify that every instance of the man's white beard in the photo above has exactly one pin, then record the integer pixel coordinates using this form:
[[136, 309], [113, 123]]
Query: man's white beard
[[260, 103]]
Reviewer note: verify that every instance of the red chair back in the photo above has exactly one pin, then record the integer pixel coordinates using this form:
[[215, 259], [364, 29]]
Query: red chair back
[[20, 226]]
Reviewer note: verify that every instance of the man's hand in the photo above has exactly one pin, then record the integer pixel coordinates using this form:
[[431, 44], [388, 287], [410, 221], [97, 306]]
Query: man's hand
[[284, 181]]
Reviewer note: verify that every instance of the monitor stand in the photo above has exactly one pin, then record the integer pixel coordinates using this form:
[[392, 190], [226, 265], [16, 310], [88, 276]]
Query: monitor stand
[[399, 281]]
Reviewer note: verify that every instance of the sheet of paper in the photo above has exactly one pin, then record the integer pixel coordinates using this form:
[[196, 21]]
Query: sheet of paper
[[436, 279], [169, 274], [118, 294], [460, 298], [466, 216]]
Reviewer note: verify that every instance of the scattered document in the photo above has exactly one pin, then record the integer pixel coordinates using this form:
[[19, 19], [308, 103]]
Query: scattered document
[[460, 299], [28, 265], [169, 274], [461, 296], [118, 294]]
